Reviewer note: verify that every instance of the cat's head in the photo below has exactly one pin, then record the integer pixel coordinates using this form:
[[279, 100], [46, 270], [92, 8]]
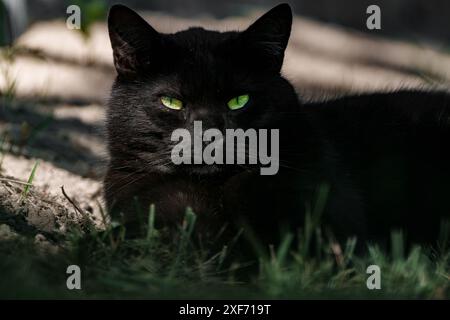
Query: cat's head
[[168, 81]]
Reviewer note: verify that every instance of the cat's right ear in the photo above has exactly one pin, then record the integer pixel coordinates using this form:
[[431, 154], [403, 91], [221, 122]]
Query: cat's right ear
[[132, 40]]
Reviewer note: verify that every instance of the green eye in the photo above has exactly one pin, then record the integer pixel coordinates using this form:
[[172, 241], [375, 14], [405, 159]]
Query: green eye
[[238, 102], [172, 103]]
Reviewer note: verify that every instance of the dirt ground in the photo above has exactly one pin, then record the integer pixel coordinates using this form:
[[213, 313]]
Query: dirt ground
[[59, 81]]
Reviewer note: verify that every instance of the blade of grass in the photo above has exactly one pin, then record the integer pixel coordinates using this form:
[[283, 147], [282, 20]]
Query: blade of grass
[[283, 249], [397, 244], [29, 182], [187, 229], [151, 222]]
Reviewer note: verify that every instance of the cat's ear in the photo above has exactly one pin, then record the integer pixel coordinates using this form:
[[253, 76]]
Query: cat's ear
[[132, 40], [269, 35]]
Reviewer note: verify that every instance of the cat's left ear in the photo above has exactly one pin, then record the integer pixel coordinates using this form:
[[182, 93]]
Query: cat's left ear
[[269, 35]]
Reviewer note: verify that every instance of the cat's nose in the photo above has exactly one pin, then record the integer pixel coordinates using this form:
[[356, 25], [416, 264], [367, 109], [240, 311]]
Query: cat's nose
[[209, 118]]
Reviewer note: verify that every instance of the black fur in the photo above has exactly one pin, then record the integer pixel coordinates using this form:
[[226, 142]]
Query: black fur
[[384, 156]]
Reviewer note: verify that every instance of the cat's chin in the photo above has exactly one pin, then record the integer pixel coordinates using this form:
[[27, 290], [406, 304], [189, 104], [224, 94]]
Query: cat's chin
[[205, 169], [190, 169], [200, 170]]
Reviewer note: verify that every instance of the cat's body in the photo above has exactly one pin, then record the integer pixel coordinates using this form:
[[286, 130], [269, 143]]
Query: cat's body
[[394, 148], [383, 156]]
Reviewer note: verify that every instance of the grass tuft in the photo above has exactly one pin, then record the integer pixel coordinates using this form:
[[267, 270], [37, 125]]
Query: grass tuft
[[162, 265]]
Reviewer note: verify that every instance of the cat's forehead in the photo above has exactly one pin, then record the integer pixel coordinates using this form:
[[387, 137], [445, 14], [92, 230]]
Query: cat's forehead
[[195, 61], [198, 37], [196, 50]]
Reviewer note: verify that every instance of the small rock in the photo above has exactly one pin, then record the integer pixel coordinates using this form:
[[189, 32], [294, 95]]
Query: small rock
[[6, 233], [39, 238]]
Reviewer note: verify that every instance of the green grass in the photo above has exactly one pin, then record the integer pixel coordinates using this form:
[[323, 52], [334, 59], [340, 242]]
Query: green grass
[[162, 265], [3, 139], [27, 187], [91, 12], [8, 91]]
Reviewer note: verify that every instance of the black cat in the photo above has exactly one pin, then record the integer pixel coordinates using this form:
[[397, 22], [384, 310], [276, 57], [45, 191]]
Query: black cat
[[384, 157]]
